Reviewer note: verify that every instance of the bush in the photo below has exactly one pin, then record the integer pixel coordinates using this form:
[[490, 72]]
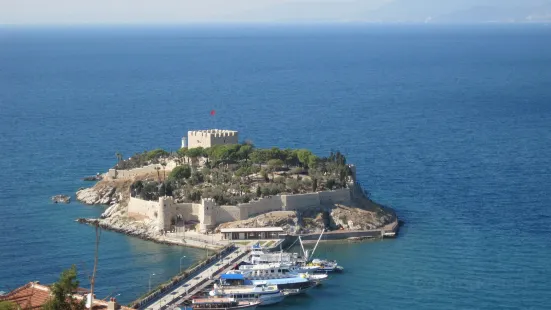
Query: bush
[[292, 185], [180, 173], [196, 178], [156, 154], [297, 170]]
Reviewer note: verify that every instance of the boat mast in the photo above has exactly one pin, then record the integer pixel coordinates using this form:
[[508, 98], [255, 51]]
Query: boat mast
[[302, 246], [314, 250]]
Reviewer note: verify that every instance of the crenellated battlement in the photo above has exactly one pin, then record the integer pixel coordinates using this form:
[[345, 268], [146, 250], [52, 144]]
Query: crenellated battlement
[[211, 137], [213, 132]]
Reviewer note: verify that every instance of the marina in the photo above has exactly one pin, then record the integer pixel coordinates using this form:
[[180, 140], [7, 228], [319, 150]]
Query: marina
[[235, 279]]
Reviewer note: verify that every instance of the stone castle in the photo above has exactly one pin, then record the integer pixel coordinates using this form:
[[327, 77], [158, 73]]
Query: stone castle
[[168, 213], [210, 137]]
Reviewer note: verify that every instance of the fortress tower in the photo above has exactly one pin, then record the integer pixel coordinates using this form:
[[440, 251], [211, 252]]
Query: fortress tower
[[211, 137], [207, 214], [163, 214]]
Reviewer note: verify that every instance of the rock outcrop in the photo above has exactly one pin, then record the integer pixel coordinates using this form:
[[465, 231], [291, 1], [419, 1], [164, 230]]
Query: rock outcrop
[[61, 199], [105, 192]]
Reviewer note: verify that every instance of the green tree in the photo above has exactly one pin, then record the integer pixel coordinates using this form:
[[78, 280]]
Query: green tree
[[180, 173], [304, 156], [313, 161], [181, 155], [274, 165], [194, 154], [62, 292], [244, 152], [156, 154], [258, 157], [258, 191], [291, 158]]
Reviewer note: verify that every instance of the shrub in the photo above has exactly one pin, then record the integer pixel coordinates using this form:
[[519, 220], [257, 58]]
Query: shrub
[[156, 154], [180, 173], [297, 170], [258, 192], [292, 185]]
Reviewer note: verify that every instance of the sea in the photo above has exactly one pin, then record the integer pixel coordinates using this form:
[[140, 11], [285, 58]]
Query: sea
[[449, 125]]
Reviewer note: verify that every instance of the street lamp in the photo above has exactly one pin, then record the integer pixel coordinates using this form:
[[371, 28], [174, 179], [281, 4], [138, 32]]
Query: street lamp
[[181, 263], [150, 281]]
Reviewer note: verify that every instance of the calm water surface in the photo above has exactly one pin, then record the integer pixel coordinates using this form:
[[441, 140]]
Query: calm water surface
[[451, 126]]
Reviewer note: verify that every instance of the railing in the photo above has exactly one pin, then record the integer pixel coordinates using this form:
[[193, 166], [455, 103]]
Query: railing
[[188, 274]]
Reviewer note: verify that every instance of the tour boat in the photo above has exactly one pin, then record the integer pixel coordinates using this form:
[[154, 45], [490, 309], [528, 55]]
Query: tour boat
[[280, 269], [266, 294], [220, 304], [241, 277]]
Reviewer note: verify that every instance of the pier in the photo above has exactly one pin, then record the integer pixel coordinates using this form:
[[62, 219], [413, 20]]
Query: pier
[[194, 281]]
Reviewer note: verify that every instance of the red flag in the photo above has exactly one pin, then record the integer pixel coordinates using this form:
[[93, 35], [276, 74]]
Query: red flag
[[212, 112]]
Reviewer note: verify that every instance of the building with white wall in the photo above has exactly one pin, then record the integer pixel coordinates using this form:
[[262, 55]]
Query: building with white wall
[[210, 137]]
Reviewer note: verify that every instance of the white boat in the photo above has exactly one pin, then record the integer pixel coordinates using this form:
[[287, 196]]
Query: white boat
[[324, 266], [280, 268], [266, 294], [245, 277], [220, 304]]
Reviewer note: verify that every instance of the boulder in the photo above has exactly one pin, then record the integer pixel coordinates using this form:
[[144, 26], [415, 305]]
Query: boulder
[[95, 195], [61, 199]]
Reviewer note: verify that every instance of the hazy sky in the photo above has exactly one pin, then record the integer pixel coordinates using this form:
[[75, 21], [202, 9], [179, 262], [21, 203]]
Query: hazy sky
[[190, 11], [171, 11]]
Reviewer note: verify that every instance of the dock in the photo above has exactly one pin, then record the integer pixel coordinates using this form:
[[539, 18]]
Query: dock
[[196, 282]]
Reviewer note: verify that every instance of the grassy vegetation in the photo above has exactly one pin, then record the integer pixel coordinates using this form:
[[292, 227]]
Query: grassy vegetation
[[238, 173]]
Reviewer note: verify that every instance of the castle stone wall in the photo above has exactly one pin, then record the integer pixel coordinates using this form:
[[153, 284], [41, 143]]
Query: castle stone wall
[[142, 208], [300, 202], [208, 214], [337, 196], [229, 214], [127, 174], [260, 206]]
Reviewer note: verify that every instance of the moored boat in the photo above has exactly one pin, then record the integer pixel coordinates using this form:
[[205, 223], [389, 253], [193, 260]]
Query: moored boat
[[220, 304], [266, 294]]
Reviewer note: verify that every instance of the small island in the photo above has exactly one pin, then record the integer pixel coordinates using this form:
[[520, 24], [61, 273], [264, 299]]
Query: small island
[[215, 183]]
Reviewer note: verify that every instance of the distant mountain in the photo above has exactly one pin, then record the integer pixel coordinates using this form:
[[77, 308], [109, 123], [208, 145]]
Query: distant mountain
[[466, 11], [484, 14]]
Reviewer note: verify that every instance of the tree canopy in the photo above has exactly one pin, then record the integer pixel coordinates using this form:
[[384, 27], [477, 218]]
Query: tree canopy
[[62, 292], [180, 172], [238, 173]]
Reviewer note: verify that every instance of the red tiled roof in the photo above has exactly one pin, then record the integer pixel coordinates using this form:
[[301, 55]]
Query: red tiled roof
[[34, 295], [30, 296]]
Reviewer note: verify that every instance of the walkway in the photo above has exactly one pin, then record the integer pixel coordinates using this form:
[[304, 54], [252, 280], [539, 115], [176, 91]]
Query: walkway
[[198, 283]]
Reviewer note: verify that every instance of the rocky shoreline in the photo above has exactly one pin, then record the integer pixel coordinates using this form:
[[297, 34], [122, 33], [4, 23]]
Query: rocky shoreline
[[362, 214]]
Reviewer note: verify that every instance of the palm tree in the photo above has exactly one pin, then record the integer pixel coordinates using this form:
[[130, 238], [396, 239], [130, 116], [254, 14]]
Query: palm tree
[[158, 173], [119, 157], [163, 163]]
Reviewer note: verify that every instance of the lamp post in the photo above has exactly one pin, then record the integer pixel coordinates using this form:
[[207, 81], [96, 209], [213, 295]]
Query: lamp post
[[181, 262], [150, 281]]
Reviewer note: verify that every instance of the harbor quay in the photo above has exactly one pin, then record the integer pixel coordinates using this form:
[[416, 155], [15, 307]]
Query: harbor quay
[[171, 294]]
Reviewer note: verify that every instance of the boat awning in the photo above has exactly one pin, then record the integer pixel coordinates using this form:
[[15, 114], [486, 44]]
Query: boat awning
[[232, 276]]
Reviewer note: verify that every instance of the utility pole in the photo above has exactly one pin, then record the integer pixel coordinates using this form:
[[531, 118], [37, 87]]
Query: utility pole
[[93, 278]]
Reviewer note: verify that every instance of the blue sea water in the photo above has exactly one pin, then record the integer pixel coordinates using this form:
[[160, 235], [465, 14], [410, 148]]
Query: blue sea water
[[451, 126]]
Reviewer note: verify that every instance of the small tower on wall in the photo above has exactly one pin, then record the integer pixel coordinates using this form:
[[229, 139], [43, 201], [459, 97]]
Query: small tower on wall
[[184, 142], [163, 213], [207, 214]]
